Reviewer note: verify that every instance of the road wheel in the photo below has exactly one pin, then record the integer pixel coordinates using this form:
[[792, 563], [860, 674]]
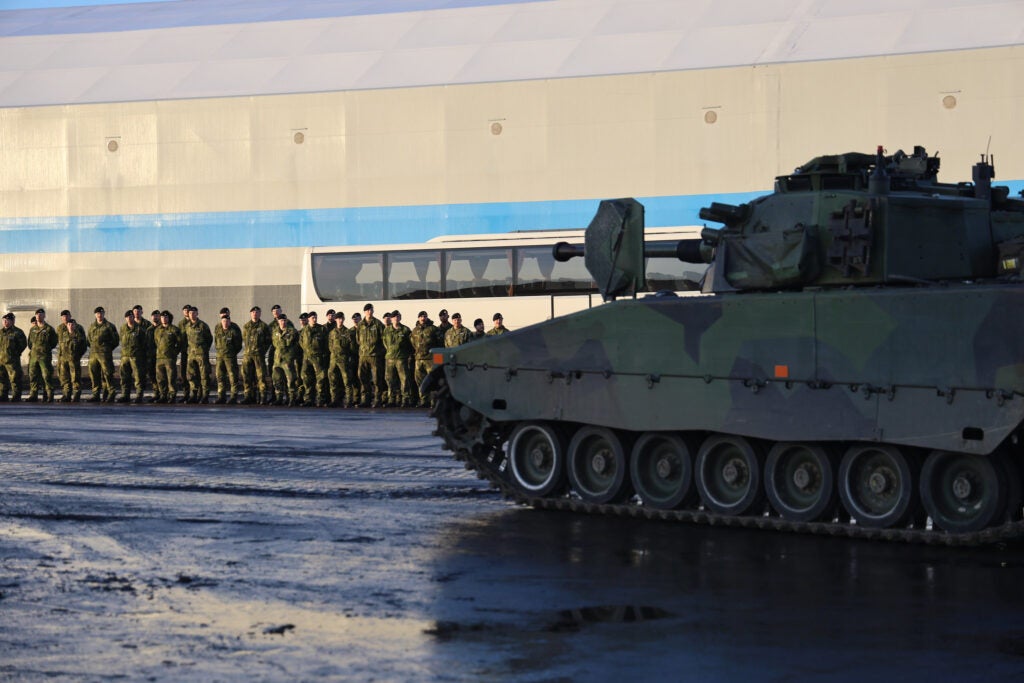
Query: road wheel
[[963, 492], [536, 454], [661, 469], [728, 474], [598, 470], [878, 485], [799, 480]]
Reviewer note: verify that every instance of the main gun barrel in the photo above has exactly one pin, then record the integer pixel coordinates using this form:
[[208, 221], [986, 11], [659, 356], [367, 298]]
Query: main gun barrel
[[687, 251]]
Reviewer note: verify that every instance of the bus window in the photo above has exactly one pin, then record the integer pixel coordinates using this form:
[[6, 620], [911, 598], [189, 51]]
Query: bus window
[[478, 272], [348, 277], [539, 273], [672, 274], [414, 275]]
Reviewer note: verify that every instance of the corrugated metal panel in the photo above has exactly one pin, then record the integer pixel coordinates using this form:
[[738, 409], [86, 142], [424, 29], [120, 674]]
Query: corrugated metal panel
[[225, 48]]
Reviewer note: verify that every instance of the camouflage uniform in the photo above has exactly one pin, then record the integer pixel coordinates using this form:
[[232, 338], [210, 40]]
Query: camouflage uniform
[[397, 352], [425, 336], [457, 336], [339, 374], [255, 374], [355, 387], [167, 343], [199, 341], [41, 343], [495, 331], [183, 350], [71, 347], [313, 341], [150, 359], [12, 345], [371, 360], [286, 359], [228, 343], [134, 357], [103, 340]]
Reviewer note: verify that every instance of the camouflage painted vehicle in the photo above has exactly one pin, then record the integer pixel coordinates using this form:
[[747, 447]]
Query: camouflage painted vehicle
[[854, 365]]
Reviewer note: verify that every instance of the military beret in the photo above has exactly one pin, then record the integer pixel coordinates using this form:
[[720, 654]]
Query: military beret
[[33, 320], [99, 309], [421, 314], [186, 307], [40, 310], [356, 316], [497, 316], [443, 311], [137, 307], [66, 312], [225, 310], [457, 315], [255, 308], [330, 311], [395, 312], [276, 307], [312, 314], [8, 316], [368, 307], [282, 317], [129, 314], [303, 316], [165, 314], [340, 314], [387, 314], [156, 312]]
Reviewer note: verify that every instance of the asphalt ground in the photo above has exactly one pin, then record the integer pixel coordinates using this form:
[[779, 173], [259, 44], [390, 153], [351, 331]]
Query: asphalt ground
[[207, 543]]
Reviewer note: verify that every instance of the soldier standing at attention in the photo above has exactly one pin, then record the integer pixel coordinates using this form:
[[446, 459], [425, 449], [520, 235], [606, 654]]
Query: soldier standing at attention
[[286, 354], [337, 373], [147, 329], [167, 340], [103, 340], [255, 375], [458, 335], [42, 342], [313, 340], [397, 352], [443, 325], [12, 345], [424, 337], [71, 345], [499, 326], [134, 349], [183, 324], [275, 374], [227, 337], [200, 339], [353, 364], [371, 357]]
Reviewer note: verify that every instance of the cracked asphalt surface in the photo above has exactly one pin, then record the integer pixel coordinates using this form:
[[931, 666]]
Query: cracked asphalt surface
[[237, 544]]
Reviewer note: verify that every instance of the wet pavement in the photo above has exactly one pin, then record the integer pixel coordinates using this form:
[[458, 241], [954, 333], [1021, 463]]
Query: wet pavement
[[206, 543]]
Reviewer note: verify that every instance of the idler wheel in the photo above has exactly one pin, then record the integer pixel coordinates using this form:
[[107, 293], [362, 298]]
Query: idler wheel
[[598, 470], [728, 474], [963, 492], [661, 469], [536, 454], [799, 480], [878, 485]]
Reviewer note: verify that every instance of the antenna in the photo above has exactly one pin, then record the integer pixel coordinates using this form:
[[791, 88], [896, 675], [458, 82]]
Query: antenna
[[989, 145]]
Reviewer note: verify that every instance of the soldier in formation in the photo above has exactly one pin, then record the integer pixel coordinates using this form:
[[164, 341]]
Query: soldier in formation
[[227, 339], [42, 340]]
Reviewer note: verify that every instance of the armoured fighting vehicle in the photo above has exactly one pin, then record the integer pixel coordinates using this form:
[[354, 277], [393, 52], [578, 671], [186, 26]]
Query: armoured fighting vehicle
[[852, 365]]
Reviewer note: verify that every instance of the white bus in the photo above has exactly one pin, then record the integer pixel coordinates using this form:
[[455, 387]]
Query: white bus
[[513, 274]]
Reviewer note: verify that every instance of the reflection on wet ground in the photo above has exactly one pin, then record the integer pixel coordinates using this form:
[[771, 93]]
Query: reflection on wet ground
[[575, 596]]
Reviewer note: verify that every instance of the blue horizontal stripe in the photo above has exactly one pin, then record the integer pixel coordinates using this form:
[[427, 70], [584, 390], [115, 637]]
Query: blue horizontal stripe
[[330, 227], [321, 227], [158, 15]]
